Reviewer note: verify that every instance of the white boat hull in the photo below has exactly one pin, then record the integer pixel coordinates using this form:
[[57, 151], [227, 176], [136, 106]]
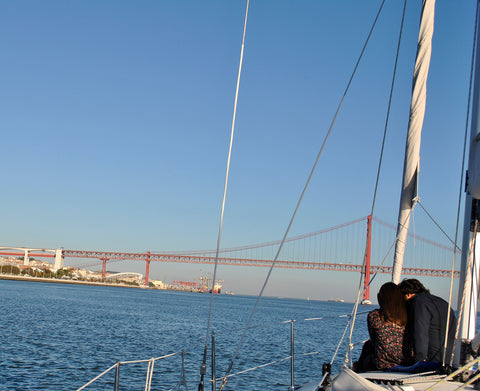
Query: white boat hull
[[348, 380]]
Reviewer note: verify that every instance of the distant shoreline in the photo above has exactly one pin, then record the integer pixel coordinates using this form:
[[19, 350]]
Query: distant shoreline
[[76, 282], [60, 281]]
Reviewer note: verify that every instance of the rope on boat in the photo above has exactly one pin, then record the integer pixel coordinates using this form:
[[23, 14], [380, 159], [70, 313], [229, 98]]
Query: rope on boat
[[355, 309], [149, 359], [388, 110], [440, 228], [98, 377], [150, 367], [341, 340], [204, 362], [148, 381], [257, 367]]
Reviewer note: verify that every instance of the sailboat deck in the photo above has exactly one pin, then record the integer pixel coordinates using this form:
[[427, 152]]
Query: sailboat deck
[[348, 380], [412, 382]]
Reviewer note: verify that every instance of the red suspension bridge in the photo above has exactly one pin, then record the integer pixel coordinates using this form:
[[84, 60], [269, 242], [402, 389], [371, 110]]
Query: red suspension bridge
[[340, 248]]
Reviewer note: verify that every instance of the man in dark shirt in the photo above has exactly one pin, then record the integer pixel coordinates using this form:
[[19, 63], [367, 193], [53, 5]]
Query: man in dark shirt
[[427, 320]]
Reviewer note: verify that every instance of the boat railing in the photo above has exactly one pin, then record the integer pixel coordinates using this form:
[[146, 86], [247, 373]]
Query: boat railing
[[214, 379]]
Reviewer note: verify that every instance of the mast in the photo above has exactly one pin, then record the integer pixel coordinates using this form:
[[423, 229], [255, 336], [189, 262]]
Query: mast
[[469, 272], [412, 148]]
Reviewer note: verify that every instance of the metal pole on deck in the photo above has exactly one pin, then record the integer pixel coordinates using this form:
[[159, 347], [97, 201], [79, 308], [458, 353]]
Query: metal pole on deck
[[214, 386], [292, 353], [117, 377]]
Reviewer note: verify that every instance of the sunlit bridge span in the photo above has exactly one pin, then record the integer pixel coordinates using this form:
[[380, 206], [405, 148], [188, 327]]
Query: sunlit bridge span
[[339, 248]]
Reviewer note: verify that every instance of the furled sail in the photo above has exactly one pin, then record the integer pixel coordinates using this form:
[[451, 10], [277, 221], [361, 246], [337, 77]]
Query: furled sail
[[412, 148]]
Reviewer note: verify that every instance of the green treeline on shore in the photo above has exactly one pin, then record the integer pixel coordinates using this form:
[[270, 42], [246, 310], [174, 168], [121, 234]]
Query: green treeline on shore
[[66, 274], [44, 273]]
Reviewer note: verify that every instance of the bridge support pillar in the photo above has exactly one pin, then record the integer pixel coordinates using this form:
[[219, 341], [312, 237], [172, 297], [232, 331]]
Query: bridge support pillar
[[366, 279], [58, 260], [104, 268], [147, 268], [26, 260]]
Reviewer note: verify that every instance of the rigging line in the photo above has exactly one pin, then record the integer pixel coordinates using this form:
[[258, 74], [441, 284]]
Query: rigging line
[[257, 367], [417, 237], [389, 107], [378, 172], [472, 66], [438, 225], [98, 377], [224, 193], [148, 381], [304, 189], [341, 340]]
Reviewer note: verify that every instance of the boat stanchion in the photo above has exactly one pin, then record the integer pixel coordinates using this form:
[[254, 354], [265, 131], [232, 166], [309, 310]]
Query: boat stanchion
[[326, 371], [117, 377], [203, 367], [213, 363], [203, 371], [292, 355]]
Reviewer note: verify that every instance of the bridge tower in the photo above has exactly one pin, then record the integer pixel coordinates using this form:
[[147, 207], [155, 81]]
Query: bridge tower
[[366, 279], [58, 260], [147, 267], [104, 268]]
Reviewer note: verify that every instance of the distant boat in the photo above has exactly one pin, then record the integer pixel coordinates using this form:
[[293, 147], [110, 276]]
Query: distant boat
[[366, 302], [337, 300]]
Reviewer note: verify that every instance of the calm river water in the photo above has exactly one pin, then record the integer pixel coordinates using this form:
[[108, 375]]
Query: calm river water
[[58, 337]]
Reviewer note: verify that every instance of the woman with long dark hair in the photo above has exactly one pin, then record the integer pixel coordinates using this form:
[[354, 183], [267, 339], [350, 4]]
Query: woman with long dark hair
[[388, 345]]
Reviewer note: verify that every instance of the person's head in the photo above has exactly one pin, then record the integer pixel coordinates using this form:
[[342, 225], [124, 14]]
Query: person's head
[[392, 303], [411, 286]]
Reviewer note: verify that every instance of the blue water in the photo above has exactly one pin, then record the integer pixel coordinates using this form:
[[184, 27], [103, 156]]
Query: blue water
[[58, 337]]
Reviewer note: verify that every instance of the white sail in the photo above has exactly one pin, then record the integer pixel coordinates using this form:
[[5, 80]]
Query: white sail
[[412, 148]]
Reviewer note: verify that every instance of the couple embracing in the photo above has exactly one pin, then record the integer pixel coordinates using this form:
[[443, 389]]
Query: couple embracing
[[408, 329]]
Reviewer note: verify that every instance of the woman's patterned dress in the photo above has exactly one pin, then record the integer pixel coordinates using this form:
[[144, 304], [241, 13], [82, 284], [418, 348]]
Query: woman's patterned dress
[[388, 340]]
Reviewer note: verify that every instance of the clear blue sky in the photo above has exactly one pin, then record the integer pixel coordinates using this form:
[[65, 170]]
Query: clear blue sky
[[116, 116]]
